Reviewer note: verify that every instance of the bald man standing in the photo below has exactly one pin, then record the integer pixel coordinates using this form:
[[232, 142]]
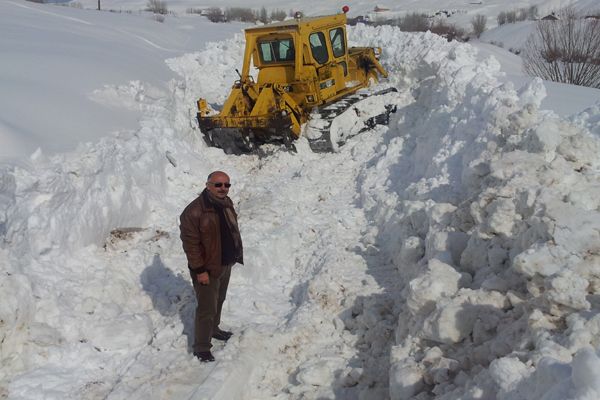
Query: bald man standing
[[212, 244]]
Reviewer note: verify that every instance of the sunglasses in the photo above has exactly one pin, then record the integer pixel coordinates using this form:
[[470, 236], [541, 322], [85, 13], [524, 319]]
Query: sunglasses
[[219, 184]]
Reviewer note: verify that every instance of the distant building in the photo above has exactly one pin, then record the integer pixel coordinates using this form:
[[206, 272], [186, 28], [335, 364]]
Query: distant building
[[550, 17], [361, 19], [379, 9]]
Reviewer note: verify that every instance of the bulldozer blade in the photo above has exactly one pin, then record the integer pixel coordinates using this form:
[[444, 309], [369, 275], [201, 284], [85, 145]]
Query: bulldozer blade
[[248, 141], [231, 140]]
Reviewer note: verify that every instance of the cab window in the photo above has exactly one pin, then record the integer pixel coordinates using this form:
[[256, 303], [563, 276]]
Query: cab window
[[318, 47], [279, 50], [337, 42]]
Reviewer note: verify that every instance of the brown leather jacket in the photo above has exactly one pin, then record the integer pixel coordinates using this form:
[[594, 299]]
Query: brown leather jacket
[[200, 234]]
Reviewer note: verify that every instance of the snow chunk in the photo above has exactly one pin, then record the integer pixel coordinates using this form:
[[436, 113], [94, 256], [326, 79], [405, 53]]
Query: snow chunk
[[454, 319], [439, 280], [406, 380], [540, 259], [568, 289], [586, 365], [508, 372]]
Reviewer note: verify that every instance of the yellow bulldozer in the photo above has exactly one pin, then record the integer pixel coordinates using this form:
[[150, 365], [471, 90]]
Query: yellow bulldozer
[[305, 71]]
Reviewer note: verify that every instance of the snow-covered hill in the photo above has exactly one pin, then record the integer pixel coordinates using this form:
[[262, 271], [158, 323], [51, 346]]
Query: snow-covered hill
[[450, 255], [69, 75]]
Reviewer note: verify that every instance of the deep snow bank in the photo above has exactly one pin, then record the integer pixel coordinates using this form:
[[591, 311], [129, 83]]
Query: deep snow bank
[[490, 213], [64, 298], [486, 205], [53, 207]]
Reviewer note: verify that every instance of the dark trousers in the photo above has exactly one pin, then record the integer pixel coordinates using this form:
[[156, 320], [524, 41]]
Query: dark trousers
[[210, 300]]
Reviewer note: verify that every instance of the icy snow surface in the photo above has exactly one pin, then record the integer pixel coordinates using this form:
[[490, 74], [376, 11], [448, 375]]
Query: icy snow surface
[[452, 255]]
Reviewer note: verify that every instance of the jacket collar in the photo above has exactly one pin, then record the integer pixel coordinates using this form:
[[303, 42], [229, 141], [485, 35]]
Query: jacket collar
[[207, 205]]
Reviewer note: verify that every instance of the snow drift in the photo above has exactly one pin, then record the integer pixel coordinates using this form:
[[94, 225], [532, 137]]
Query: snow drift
[[489, 212], [484, 205]]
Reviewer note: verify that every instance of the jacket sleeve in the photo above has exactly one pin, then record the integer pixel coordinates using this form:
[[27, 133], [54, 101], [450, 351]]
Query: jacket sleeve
[[191, 237]]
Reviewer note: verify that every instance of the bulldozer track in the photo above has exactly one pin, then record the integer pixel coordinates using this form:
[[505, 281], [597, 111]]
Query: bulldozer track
[[330, 112]]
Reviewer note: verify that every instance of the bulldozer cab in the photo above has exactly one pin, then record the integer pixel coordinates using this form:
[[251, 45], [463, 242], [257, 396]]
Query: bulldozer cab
[[308, 50]]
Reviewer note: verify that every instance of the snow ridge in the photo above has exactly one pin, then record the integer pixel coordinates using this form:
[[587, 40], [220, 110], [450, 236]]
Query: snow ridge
[[488, 214]]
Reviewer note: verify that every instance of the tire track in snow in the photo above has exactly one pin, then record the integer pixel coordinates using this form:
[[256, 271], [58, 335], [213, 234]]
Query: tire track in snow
[[81, 21], [316, 351], [147, 41]]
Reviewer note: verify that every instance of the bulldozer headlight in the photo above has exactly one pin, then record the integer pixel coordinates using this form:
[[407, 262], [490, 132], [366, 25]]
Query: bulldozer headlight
[[310, 98], [327, 83]]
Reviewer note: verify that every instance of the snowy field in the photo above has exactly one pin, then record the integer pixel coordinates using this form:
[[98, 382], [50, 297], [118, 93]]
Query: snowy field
[[70, 75], [451, 255]]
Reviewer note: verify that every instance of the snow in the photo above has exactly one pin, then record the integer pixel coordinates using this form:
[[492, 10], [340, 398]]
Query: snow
[[107, 66], [451, 254]]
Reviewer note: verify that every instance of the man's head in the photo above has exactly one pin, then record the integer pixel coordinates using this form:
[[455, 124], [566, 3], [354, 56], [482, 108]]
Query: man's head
[[218, 184]]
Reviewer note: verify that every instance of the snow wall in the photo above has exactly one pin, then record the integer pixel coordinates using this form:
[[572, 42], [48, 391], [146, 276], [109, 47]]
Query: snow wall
[[53, 208], [489, 213]]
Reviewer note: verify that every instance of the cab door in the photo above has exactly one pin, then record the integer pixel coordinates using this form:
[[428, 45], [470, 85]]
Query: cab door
[[320, 54], [339, 64]]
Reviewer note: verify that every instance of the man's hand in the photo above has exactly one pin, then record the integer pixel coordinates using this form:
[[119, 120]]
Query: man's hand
[[203, 278]]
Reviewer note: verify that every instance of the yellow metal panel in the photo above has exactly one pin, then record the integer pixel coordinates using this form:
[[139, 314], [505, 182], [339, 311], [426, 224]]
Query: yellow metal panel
[[276, 74], [265, 103]]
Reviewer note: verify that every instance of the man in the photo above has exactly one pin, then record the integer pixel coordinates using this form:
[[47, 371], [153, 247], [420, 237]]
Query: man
[[212, 244]]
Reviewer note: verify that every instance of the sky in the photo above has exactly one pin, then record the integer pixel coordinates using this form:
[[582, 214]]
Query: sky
[[451, 254]]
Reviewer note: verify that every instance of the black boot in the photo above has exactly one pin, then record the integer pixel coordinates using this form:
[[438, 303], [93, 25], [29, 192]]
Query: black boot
[[204, 356], [222, 335]]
